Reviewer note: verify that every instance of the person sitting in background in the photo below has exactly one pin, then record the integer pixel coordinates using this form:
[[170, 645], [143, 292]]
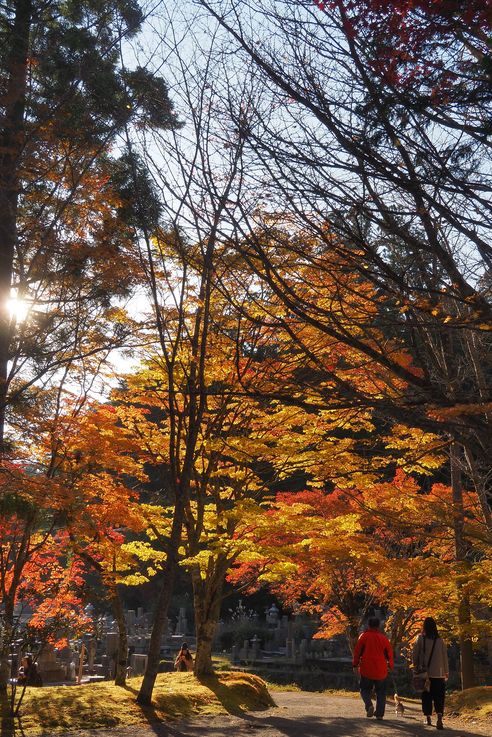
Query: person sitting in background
[[28, 672], [184, 659]]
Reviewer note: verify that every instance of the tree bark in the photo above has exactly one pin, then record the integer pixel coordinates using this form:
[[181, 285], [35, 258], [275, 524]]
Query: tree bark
[[122, 653], [464, 615], [11, 144], [162, 606], [7, 637], [207, 596]]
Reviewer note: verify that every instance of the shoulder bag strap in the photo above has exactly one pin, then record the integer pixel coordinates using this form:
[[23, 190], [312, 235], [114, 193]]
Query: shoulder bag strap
[[431, 653]]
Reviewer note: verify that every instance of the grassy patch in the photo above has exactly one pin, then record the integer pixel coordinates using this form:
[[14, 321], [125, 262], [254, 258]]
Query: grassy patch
[[63, 708], [342, 692], [473, 702], [282, 686]]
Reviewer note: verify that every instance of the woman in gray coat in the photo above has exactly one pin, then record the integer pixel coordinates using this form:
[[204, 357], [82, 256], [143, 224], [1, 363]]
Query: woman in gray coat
[[430, 655]]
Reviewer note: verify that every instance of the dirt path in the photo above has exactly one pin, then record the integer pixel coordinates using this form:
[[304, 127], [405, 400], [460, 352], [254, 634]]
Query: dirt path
[[299, 714]]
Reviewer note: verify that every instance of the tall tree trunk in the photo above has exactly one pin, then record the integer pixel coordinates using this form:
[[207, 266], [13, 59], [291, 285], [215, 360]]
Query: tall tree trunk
[[207, 596], [11, 144], [482, 485], [464, 615], [122, 652], [7, 638], [162, 606]]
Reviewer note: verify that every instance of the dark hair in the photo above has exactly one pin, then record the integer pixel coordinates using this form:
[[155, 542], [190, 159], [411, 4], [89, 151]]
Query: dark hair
[[373, 622], [429, 628], [184, 646]]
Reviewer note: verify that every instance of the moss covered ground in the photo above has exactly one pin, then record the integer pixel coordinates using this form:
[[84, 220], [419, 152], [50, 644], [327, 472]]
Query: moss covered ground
[[472, 703], [54, 709]]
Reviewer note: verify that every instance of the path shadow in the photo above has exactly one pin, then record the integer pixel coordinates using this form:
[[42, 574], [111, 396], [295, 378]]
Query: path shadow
[[356, 727]]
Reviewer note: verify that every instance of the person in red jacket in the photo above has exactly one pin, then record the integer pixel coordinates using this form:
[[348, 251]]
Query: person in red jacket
[[373, 657]]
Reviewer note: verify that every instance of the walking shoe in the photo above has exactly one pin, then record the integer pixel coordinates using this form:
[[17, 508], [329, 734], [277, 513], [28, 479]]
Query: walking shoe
[[370, 711], [439, 724], [428, 721], [379, 717]]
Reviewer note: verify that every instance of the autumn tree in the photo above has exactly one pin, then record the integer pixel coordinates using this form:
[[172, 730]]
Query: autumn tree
[[33, 562], [178, 190], [328, 371], [234, 442], [396, 170], [64, 98], [67, 253], [341, 554], [95, 463]]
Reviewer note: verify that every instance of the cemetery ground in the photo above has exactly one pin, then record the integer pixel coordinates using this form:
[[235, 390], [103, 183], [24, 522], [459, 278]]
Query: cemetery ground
[[184, 706]]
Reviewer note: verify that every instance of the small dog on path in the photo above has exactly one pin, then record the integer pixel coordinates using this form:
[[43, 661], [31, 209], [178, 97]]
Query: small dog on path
[[399, 708]]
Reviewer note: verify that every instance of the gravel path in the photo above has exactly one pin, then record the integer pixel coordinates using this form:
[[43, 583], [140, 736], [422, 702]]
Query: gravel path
[[299, 714]]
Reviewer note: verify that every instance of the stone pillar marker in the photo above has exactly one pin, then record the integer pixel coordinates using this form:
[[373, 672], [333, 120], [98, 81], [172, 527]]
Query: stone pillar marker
[[273, 615], [182, 624], [91, 654], [289, 648], [81, 664], [255, 646]]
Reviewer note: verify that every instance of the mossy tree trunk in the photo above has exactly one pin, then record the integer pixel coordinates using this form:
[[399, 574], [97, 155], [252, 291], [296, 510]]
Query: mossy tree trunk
[[122, 652], [207, 596]]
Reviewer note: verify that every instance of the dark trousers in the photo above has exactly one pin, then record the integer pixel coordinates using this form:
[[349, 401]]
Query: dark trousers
[[366, 686], [434, 696]]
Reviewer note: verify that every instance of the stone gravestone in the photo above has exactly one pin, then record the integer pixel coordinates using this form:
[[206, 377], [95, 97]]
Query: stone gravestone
[[138, 664], [106, 666], [50, 669], [112, 639], [255, 648], [182, 623], [244, 654], [66, 657]]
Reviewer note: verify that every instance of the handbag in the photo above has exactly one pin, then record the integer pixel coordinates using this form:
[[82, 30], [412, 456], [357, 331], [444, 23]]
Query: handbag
[[420, 679]]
